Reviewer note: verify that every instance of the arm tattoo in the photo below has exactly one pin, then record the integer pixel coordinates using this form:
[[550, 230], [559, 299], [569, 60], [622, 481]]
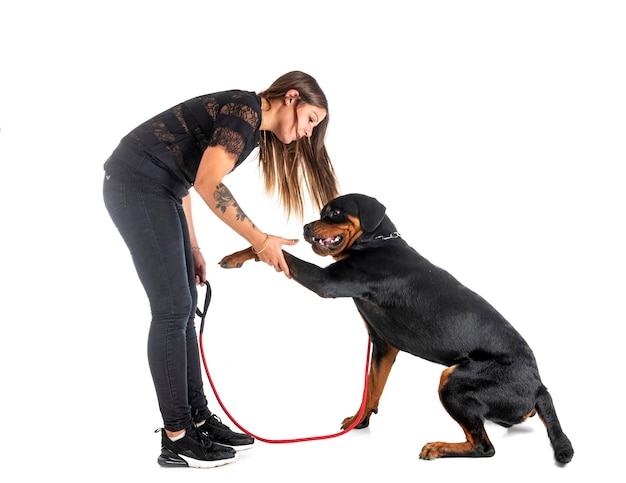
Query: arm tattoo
[[224, 199]]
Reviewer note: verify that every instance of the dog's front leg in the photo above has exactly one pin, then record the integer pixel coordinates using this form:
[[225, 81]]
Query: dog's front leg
[[237, 259], [383, 357], [332, 281]]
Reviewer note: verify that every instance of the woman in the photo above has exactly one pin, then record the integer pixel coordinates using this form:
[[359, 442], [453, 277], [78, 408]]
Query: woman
[[146, 191]]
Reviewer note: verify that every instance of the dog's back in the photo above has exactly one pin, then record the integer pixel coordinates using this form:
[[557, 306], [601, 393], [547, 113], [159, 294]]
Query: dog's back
[[423, 310]]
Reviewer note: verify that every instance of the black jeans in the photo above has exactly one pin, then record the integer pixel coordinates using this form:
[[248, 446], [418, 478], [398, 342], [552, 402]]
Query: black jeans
[[151, 220]]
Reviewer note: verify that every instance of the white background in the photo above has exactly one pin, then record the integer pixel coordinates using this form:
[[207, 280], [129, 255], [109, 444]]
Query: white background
[[493, 131]]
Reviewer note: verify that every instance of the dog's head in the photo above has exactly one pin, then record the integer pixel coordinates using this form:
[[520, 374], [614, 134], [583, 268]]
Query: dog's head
[[342, 222]]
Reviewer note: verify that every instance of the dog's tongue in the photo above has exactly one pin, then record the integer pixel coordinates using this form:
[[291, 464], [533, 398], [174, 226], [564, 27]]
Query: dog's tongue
[[329, 241]]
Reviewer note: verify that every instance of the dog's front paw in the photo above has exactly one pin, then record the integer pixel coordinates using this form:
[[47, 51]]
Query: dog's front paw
[[364, 423], [237, 259]]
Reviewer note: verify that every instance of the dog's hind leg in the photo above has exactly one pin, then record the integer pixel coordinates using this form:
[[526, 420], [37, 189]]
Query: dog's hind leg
[[383, 357], [468, 412]]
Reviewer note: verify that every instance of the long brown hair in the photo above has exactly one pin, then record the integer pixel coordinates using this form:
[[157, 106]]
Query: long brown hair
[[304, 162]]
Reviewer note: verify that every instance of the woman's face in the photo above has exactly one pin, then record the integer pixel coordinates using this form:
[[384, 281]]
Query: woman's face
[[298, 120]]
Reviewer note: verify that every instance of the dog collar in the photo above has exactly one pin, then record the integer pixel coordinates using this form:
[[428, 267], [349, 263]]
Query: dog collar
[[395, 234]]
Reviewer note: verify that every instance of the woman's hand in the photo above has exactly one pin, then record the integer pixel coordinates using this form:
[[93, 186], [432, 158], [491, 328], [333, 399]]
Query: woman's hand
[[271, 252], [199, 265]]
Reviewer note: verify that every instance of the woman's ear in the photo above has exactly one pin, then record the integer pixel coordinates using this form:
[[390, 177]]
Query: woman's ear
[[290, 95]]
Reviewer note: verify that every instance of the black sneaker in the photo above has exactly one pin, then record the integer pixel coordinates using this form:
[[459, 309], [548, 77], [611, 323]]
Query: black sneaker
[[222, 434], [193, 450]]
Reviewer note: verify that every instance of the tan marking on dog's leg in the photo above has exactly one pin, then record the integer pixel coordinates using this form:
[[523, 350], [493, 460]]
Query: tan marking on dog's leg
[[237, 259], [477, 445], [444, 377], [376, 380], [477, 442]]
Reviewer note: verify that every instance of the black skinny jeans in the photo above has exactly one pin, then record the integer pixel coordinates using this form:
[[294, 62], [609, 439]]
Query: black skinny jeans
[[151, 220]]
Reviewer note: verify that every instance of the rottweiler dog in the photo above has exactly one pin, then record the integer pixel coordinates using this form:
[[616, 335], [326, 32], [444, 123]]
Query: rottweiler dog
[[408, 304]]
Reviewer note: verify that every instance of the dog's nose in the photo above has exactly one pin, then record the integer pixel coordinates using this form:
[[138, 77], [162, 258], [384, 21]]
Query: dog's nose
[[307, 229]]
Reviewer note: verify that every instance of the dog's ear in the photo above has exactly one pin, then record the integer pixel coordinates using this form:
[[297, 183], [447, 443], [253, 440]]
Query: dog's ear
[[371, 212]]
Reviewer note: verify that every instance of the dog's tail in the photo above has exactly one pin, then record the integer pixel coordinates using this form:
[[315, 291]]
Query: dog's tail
[[563, 450]]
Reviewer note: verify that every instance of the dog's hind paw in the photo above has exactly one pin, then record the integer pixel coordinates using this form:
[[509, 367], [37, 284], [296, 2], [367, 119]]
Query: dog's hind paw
[[438, 449]]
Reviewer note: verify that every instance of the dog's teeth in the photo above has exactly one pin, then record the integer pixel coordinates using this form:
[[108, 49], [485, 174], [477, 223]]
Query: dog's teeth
[[326, 241]]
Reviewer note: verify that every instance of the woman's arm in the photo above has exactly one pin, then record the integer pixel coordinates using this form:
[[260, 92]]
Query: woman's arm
[[188, 215], [198, 259], [216, 163]]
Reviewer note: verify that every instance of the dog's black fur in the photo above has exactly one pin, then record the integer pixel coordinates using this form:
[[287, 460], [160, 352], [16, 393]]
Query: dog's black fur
[[411, 305]]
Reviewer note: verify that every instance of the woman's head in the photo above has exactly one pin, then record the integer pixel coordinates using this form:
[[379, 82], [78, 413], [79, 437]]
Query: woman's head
[[292, 118], [299, 93], [294, 151], [308, 89]]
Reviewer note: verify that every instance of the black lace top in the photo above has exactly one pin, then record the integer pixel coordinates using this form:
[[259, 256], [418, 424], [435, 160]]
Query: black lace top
[[176, 138]]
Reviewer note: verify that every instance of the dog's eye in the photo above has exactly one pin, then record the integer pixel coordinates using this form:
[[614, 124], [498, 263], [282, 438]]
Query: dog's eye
[[335, 213]]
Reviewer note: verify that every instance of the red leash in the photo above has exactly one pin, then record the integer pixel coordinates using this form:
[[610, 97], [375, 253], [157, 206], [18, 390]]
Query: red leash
[[295, 440]]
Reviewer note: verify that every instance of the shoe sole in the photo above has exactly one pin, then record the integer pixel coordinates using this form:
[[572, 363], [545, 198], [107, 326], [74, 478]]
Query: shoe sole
[[242, 447], [169, 459]]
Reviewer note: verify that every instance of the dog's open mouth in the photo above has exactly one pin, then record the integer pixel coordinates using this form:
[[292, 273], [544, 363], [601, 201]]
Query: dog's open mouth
[[329, 243]]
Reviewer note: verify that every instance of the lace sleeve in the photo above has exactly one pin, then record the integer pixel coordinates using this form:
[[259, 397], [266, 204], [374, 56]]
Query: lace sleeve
[[234, 126], [232, 140]]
